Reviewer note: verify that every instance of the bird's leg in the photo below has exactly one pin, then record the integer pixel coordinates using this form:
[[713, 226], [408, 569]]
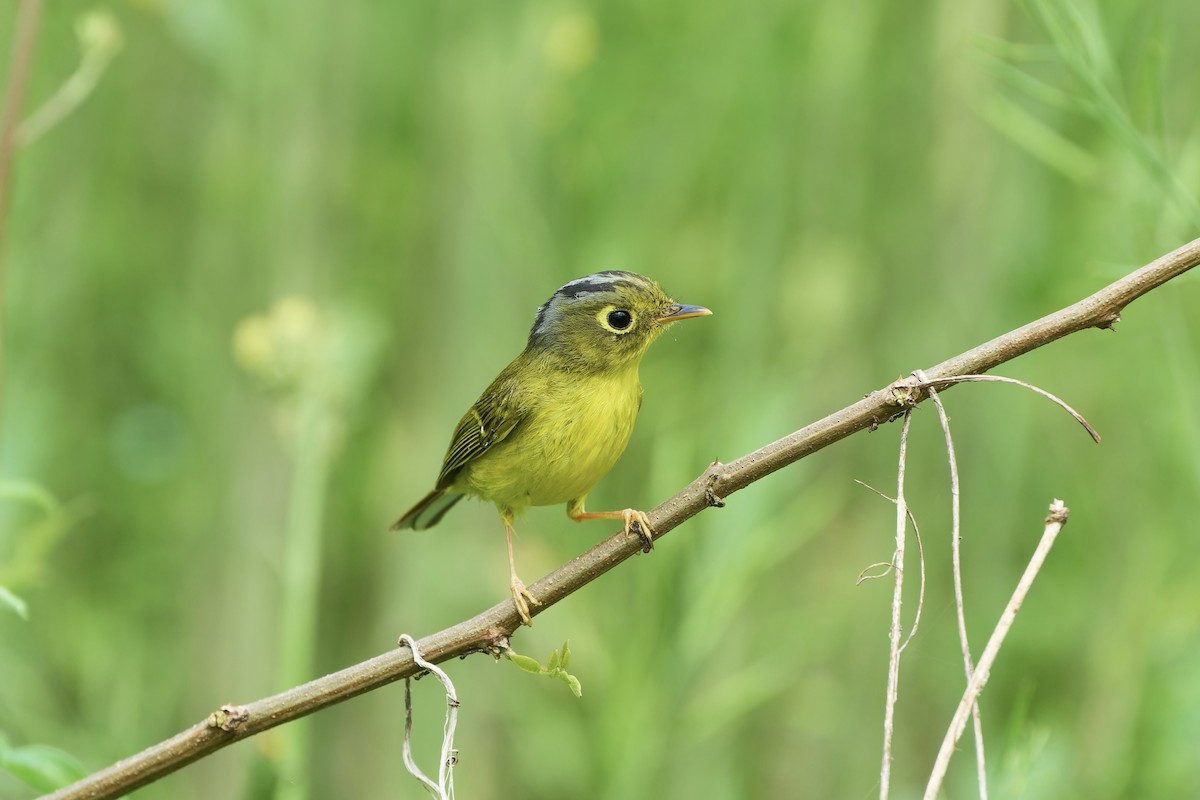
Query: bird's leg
[[631, 517], [521, 596]]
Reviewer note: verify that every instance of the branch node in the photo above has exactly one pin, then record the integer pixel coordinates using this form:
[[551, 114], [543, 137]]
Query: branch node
[[229, 717], [904, 392], [1058, 513], [496, 643], [713, 476]]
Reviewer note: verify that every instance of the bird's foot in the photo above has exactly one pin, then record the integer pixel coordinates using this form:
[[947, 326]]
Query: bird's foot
[[522, 600], [638, 519]]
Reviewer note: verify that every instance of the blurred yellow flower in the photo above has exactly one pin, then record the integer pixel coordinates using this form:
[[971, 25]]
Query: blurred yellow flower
[[572, 42], [278, 347]]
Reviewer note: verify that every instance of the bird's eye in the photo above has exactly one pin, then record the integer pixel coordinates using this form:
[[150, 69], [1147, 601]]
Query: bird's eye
[[620, 319]]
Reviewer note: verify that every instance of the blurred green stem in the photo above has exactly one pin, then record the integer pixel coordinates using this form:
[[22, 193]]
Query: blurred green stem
[[99, 40], [315, 426], [29, 13]]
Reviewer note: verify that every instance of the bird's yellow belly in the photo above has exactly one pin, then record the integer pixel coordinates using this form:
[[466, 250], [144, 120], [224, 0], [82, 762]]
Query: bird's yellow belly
[[570, 440]]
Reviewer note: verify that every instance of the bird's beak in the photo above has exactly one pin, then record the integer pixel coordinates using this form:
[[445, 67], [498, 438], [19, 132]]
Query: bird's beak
[[678, 312]]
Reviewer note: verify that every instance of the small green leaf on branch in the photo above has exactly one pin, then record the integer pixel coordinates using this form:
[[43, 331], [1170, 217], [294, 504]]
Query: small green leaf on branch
[[556, 667], [526, 663]]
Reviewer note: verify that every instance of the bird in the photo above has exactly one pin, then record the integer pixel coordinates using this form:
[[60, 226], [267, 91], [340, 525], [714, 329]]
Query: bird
[[556, 419]]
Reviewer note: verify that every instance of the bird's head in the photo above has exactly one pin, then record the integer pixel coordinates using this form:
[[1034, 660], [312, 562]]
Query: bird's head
[[605, 321]]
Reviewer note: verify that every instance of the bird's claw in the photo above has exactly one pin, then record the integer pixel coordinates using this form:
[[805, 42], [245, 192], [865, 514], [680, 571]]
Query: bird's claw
[[638, 520], [522, 600]]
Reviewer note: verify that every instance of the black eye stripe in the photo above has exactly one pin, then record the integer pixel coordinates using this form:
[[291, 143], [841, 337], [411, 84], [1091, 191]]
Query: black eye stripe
[[582, 287]]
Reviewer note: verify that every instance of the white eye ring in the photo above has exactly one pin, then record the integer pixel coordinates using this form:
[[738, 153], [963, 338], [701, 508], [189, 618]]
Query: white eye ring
[[616, 320]]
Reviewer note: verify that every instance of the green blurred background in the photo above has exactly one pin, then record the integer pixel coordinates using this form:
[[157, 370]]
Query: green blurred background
[[252, 282]]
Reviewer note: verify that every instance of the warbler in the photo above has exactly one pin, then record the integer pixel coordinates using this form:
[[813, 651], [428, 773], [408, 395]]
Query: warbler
[[556, 419]]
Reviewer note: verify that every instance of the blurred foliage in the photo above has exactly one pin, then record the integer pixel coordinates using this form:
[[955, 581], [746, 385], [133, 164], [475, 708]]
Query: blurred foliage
[[856, 189], [38, 766]]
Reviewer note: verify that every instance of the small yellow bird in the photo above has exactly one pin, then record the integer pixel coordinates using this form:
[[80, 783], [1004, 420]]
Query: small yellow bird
[[559, 416]]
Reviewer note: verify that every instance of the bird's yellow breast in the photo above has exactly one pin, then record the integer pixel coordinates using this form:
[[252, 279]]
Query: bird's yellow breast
[[574, 430]]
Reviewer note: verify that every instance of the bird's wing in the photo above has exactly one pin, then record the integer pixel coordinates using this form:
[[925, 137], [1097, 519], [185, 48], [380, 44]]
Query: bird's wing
[[488, 422]]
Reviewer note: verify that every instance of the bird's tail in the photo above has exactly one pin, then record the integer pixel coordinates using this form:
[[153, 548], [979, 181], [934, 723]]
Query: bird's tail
[[429, 511]]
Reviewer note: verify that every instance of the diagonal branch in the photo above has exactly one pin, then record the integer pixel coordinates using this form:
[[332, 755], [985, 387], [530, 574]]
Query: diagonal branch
[[483, 632], [1055, 521]]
